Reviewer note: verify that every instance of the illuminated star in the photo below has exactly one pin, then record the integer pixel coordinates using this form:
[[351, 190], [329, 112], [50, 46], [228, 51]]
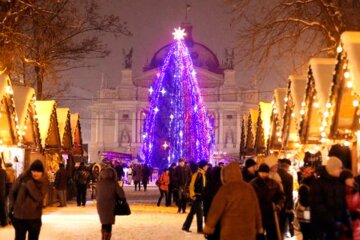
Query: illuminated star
[[179, 34], [165, 145]]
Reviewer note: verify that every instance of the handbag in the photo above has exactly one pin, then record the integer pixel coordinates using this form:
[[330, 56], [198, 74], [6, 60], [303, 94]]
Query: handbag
[[122, 208]]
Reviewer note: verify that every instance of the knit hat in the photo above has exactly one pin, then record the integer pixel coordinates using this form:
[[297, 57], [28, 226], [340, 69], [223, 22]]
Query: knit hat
[[249, 163], [202, 163], [333, 163], [345, 174], [37, 166], [285, 160], [264, 168]]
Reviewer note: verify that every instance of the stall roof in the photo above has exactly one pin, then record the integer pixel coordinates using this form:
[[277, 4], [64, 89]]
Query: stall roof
[[64, 123], [279, 98], [297, 89], [266, 111], [6, 129], [76, 134], [323, 71], [351, 43], [48, 126], [24, 98]]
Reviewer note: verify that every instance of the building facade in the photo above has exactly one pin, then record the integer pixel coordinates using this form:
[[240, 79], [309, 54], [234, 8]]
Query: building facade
[[118, 114]]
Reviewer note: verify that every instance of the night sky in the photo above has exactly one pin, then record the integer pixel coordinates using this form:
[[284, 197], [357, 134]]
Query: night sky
[[152, 23]]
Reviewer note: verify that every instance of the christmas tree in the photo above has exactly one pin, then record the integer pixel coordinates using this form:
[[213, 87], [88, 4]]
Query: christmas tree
[[177, 125]]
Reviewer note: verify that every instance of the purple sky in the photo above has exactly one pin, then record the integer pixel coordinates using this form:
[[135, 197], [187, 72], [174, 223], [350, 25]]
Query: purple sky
[[152, 23]]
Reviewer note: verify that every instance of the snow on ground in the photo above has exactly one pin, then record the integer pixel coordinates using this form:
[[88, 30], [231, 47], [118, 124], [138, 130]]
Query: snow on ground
[[82, 223], [147, 221]]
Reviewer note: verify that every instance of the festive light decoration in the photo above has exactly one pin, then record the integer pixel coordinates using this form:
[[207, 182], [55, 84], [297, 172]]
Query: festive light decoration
[[177, 124]]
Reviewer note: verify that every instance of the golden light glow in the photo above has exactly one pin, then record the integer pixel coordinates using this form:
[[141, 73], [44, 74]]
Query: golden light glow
[[316, 105], [339, 49], [349, 84], [355, 103], [328, 105], [347, 74], [302, 112]]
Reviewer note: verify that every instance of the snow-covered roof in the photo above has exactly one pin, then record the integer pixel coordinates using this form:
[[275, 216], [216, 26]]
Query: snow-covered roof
[[323, 71], [44, 110], [279, 97], [351, 43], [297, 89], [254, 113], [6, 117], [22, 98], [245, 118], [74, 118], [5, 84], [62, 118], [266, 111]]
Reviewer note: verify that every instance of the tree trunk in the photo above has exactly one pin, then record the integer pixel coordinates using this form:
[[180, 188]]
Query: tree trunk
[[39, 82]]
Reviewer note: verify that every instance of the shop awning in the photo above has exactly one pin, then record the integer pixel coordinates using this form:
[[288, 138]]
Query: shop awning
[[7, 132], [48, 125], [27, 128], [76, 134], [65, 132]]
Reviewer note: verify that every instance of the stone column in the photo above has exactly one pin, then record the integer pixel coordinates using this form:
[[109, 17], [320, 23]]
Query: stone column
[[116, 129], [238, 129], [221, 128], [133, 127], [101, 128], [97, 127]]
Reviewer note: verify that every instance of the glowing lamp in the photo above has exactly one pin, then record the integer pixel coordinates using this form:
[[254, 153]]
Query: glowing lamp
[[339, 49], [355, 103], [328, 105], [347, 74], [349, 84]]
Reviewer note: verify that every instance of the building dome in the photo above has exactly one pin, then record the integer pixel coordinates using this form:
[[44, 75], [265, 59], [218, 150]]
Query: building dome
[[201, 55]]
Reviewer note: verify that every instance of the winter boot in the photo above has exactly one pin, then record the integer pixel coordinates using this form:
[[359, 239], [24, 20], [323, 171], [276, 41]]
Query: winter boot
[[103, 234], [107, 235]]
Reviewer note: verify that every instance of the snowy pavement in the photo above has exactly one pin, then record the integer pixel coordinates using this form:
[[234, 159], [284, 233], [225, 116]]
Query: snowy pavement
[[82, 223], [147, 221]]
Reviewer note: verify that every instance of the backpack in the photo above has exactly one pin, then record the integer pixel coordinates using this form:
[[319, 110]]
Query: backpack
[[157, 183], [83, 177]]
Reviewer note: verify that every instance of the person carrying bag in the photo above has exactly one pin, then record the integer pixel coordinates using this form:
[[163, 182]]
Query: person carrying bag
[[108, 194]]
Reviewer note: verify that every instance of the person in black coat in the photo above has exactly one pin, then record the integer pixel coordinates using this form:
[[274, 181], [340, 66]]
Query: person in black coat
[[3, 182], [183, 177], [286, 215], [249, 171], [61, 180], [145, 176], [327, 202], [271, 198], [213, 183], [302, 208], [173, 186]]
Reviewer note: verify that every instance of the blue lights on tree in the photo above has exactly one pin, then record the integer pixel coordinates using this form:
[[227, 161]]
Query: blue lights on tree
[[177, 123]]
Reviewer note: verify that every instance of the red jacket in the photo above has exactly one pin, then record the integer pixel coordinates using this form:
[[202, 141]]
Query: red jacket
[[353, 205], [164, 182]]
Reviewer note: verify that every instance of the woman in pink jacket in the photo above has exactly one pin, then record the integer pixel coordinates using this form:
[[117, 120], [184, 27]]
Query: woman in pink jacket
[[164, 182]]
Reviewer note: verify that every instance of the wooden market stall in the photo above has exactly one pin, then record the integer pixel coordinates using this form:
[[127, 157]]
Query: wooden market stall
[[26, 126], [77, 150], [315, 104], [343, 120], [263, 127], [276, 120], [291, 117], [50, 140], [65, 132], [8, 138]]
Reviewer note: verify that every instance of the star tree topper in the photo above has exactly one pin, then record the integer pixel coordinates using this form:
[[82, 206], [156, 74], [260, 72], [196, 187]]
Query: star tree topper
[[179, 34]]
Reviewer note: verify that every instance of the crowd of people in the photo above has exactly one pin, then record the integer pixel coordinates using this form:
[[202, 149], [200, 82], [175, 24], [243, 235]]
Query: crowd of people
[[256, 201]]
